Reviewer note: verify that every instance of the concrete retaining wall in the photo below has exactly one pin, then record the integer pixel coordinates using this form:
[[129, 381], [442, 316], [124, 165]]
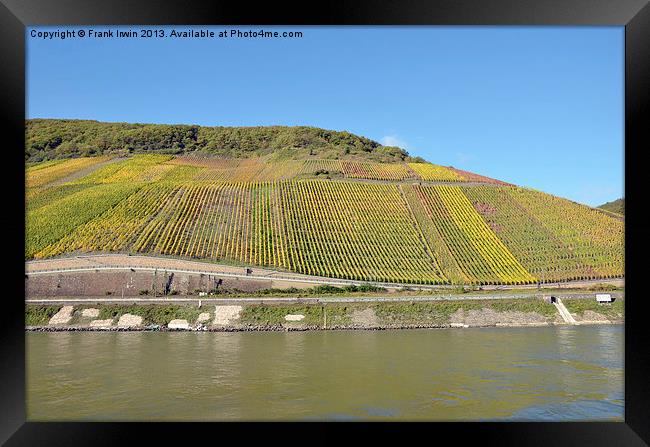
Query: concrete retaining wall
[[127, 283]]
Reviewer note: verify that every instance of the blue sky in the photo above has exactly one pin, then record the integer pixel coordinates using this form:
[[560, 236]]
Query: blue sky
[[540, 107]]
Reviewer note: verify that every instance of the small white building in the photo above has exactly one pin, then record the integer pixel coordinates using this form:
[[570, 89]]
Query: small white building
[[604, 298]]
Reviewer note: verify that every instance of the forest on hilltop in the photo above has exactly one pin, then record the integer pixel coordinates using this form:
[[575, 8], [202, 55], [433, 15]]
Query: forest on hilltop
[[53, 139]]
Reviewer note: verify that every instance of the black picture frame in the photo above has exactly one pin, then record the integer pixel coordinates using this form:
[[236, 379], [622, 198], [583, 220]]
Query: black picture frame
[[15, 15]]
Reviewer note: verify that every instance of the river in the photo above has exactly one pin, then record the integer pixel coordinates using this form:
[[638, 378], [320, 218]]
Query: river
[[546, 373]]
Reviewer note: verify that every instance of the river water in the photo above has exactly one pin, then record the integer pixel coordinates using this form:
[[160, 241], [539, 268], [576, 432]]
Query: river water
[[549, 373]]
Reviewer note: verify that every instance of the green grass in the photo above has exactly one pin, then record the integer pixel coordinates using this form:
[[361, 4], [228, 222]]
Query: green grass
[[523, 305], [338, 314], [437, 313], [604, 287], [39, 315], [270, 315], [616, 206], [614, 311], [151, 313], [322, 290], [273, 315], [440, 312]]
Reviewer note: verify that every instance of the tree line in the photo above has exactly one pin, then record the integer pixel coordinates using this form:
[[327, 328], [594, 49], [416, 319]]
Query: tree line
[[51, 139]]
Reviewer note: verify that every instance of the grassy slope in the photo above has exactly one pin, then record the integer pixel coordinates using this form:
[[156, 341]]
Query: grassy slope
[[616, 206], [613, 311], [39, 315]]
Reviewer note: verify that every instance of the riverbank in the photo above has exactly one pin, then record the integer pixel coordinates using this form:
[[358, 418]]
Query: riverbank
[[373, 315]]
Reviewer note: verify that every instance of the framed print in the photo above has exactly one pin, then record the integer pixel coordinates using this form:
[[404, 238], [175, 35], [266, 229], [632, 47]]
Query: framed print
[[386, 212]]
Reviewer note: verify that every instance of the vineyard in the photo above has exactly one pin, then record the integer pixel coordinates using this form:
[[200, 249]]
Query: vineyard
[[47, 173], [390, 222], [265, 169]]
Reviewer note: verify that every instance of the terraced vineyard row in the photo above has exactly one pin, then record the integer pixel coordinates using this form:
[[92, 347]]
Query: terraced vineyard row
[[263, 170], [288, 225], [538, 248], [42, 174], [141, 168], [395, 232], [116, 228], [472, 177], [49, 223], [228, 221], [354, 231], [310, 167], [594, 238], [377, 171], [478, 252], [431, 172]]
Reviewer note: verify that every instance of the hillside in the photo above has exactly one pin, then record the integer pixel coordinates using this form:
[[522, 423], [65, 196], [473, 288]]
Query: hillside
[[52, 139], [616, 206], [401, 222]]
